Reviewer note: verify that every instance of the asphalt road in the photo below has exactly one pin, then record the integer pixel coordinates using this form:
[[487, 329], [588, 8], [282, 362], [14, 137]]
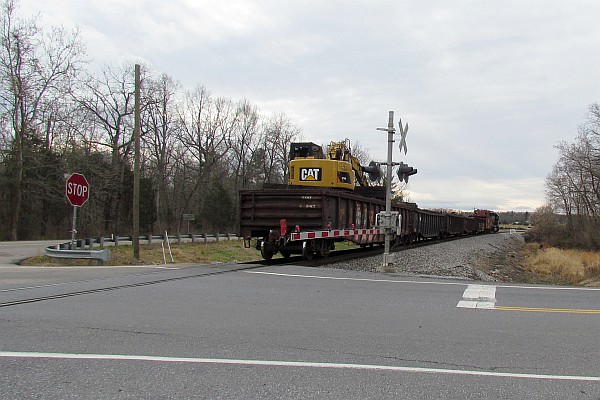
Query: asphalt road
[[13, 252], [231, 332]]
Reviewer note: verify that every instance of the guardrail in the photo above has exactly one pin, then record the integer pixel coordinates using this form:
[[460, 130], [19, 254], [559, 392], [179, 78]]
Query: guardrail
[[178, 238], [100, 255], [117, 240], [83, 248]]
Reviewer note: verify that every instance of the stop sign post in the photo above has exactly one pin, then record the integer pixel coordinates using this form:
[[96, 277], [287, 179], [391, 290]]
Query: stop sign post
[[77, 190]]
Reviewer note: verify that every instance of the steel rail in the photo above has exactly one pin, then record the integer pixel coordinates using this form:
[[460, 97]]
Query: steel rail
[[117, 287]]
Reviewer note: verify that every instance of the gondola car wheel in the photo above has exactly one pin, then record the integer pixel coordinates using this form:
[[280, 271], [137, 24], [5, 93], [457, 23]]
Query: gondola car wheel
[[266, 251], [307, 252]]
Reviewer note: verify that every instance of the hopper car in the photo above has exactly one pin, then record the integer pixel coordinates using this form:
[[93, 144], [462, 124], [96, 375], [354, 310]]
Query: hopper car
[[311, 220]]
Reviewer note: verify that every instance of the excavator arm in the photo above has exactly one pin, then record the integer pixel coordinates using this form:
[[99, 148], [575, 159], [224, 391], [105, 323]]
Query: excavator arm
[[341, 151]]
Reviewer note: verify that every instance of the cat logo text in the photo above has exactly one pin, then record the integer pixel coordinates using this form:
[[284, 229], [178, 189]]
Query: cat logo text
[[310, 174]]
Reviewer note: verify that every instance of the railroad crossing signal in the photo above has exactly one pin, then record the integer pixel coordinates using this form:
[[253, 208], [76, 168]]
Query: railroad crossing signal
[[403, 133], [77, 190], [404, 171]]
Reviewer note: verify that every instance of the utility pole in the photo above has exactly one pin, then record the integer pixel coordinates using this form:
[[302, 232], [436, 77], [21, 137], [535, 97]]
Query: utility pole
[[136, 168]]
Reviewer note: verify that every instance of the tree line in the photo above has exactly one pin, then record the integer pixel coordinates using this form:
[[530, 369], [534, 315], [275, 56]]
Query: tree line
[[58, 117], [571, 216], [513, 217]]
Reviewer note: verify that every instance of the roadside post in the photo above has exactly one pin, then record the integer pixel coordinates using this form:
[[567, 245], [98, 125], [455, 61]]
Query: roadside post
[[188, 218]]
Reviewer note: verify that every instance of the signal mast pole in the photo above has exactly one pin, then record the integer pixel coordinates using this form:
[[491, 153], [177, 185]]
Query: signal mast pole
[[388, 194], [389, 224]]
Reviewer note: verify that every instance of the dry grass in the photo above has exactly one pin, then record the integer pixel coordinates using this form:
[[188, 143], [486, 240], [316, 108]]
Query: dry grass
[[573, 267], [224, 251]]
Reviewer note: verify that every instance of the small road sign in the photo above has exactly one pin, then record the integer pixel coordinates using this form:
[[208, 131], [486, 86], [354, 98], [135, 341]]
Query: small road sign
[[77, 190]]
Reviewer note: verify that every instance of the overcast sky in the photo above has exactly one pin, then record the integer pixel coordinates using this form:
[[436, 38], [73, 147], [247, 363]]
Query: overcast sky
[[487, 87]]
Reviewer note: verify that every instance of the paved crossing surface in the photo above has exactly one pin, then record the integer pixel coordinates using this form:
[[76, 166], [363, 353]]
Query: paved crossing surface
[[230, 331]]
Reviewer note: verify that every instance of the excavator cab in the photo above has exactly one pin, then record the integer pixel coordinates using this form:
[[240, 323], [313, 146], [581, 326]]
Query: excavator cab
[[306, 150]]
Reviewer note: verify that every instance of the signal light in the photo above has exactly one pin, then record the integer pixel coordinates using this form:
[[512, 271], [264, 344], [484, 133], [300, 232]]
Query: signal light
[[404, 171], [373, 170]]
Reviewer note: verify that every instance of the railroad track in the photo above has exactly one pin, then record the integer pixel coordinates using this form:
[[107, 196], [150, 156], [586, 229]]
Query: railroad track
[[148, 279], [143, 282], [338, 256]]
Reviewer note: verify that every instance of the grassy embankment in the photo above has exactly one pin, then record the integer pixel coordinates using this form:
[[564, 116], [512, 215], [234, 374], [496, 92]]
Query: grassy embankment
[[556, 266]]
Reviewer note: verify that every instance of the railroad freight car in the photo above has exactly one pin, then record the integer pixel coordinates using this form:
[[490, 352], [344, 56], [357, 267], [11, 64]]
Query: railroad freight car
[[455, 225], [489, 219], [430, 224], [474, 225], [309, 221]]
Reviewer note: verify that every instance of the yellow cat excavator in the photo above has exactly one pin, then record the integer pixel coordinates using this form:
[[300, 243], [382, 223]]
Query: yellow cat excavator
[[337, 168]]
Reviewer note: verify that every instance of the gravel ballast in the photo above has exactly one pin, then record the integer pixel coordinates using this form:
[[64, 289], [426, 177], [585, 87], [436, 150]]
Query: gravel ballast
[[471, 257]]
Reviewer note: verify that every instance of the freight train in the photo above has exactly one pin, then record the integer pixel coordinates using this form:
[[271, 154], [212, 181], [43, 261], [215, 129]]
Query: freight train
[[322, 204], [310, 220]]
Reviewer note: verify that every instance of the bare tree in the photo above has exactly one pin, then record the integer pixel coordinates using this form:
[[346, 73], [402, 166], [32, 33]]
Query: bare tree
[[573, 186], [277, 134], [160, 125], [243, 142], [36, 67], [206, 127], [108, 100]]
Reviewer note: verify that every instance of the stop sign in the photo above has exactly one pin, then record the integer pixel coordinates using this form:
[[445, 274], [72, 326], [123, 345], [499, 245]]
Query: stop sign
[[78, 189]]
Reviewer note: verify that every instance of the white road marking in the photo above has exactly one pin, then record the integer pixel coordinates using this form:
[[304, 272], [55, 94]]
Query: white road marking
[[294, 364], [479, 296], [416, 282], [336, 278]]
